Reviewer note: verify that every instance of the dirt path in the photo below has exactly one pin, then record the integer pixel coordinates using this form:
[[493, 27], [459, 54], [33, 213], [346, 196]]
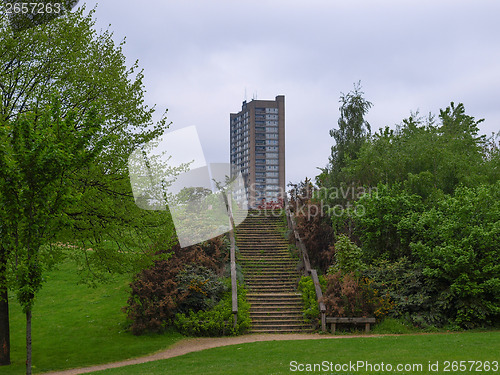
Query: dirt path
[[197, 344]]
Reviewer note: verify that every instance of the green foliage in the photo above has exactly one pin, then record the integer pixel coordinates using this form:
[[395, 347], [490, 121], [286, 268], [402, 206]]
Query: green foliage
[[429, 233], [309, 299], [68, 56], [385, 228], [60, 57], [411, 292], [185, 281], [459, 247], [219, 320], [451, 153], [453, 242], [492, 157], [38, 155], [349, 137], [64, 162], [347, 257], [201, 288]]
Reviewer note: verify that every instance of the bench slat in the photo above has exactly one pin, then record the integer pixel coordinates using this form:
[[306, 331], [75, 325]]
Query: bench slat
[[330, 319]]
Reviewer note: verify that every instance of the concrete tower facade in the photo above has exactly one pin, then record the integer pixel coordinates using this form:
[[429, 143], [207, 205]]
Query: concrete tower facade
[[257, 137]]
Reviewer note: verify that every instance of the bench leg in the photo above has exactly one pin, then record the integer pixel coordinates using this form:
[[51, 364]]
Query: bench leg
[[333, 327], [367, 327]]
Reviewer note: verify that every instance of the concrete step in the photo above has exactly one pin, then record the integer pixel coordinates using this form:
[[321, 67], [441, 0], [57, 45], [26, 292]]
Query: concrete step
[[259, 282], [270, 264], [279, 268], [263, 299], [267, 288], [284, 279], [264, 250], [285, 310], [270, 274], [267, 260], [274, 305], [258, 318], [265, 256]]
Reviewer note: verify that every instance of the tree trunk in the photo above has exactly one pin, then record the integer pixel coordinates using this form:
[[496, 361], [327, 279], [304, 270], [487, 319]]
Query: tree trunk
[[4, 326], [4, 312], [28, 342]]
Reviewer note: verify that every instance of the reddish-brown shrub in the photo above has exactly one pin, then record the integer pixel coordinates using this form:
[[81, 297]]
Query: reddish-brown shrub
[[155, 295], [350, 296], [313, 225]]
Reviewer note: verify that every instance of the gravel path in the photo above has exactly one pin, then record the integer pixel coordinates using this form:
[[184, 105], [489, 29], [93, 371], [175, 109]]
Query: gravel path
[[197, 344]]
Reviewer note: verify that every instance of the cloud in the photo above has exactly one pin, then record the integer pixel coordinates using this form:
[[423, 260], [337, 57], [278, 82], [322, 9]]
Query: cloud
[[200, 57]]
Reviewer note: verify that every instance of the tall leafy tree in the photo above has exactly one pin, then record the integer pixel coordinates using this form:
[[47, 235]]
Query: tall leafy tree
[[350, 135], [463, 148], [87, 70], [426, 153], [39, 154]]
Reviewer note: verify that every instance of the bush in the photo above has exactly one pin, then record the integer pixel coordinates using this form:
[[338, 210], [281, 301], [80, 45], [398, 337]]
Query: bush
[[412, 293], [382, 228], [347, 256], [349, 296], [311, 307], [459, 248], [314, 228], [219, 320], [155, 296], [200, 288], [454, 243]]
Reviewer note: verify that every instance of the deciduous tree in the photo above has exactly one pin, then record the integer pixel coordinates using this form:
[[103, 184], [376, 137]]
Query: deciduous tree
[[87, 71], [38, 156], [350, 135]]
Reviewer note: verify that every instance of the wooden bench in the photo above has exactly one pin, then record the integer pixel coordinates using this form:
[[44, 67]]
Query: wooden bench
[[345, 320]]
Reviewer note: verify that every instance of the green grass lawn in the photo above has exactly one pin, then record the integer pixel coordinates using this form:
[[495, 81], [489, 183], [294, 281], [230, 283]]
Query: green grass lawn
[[275, 357], [74, 326]]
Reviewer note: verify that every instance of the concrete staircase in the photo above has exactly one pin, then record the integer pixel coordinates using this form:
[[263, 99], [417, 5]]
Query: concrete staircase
[[270, 274]]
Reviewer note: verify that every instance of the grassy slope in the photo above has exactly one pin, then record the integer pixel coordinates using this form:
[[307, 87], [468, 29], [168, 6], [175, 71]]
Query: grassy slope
[[74, 326], [274, 357]]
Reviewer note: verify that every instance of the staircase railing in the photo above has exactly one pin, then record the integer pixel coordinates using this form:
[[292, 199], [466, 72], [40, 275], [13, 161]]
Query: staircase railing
[[307, 264], [232, 252]]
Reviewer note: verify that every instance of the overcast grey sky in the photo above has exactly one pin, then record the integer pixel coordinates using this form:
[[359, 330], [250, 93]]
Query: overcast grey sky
[[200, 57]]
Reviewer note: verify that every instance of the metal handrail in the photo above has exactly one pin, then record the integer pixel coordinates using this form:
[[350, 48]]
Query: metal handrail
[[234, 284], [232, 253]]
